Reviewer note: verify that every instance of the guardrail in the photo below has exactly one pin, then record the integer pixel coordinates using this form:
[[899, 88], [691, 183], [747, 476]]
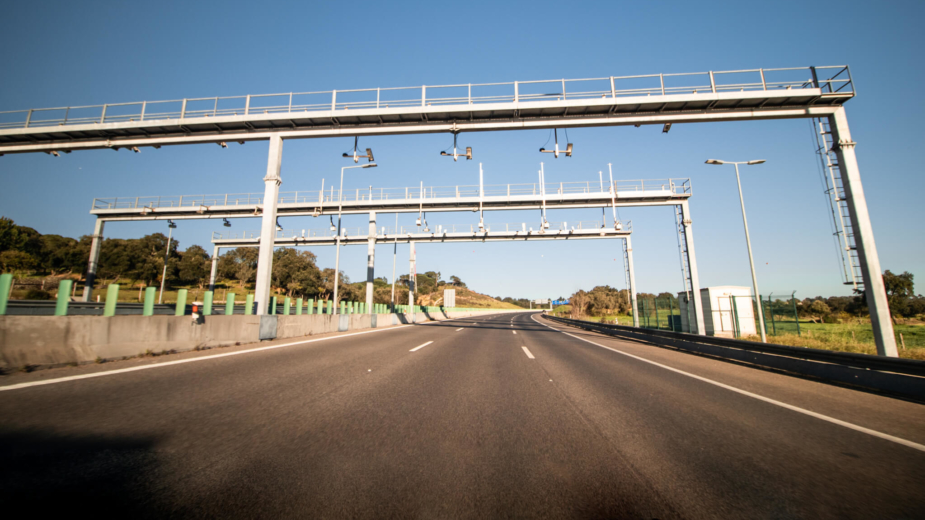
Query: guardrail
[[626, 188], [904, 377], [835, 79]]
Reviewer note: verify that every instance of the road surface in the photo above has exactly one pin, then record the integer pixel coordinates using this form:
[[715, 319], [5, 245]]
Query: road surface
[[497, 416]]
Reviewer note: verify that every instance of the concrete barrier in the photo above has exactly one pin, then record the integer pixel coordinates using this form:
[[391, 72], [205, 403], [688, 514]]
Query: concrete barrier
[[48, 341]]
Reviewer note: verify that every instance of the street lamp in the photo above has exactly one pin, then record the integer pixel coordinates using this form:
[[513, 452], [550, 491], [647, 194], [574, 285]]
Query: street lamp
[[748, 241], [340, 202], [171, 226]]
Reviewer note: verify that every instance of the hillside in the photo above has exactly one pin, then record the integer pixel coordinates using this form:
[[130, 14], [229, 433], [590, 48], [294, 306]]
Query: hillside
[[466, 298]]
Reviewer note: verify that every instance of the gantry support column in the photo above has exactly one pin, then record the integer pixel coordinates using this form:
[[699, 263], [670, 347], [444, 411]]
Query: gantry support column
[[268, 224], [93, 265], [874, 289], [370, 261], [696, 300], [214, 268], [412, 279], [632, 277]]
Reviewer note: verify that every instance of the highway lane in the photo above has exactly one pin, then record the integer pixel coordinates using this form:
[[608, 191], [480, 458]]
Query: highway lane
[[477, 422]]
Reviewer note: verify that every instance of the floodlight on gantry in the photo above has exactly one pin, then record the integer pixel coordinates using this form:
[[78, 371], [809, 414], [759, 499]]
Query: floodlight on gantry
[[455, 155], [356, 157], [556, 152]]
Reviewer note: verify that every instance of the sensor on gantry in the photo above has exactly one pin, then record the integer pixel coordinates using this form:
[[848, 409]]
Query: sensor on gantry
[[455, 155], [356, 157], [568, 149]]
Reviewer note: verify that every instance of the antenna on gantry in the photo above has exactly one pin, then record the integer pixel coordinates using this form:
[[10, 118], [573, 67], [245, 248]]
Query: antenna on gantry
[[356, 157], [455, 155], [567, 151]]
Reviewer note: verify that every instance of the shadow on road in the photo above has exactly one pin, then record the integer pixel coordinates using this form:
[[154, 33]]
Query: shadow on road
[[49, 474]]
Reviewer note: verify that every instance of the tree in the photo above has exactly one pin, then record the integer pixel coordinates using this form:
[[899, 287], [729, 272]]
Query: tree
[[295, 272], [16, 262], [456, 281], [580, 302], [195, 266], [899, 289]]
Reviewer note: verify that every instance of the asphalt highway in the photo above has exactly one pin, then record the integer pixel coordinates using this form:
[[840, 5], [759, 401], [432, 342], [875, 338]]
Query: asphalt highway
[[497, 416]]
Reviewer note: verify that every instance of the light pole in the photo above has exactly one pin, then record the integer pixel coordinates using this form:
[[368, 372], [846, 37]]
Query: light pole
[[748, 241], [340, 202], [171, 226]]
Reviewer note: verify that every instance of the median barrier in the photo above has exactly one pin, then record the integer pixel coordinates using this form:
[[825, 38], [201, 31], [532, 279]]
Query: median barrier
[[49, 341], [901, 377]]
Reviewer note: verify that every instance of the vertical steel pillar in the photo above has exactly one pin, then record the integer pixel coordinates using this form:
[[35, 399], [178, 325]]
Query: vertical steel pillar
[[696, 301], [268, 224], [93, 265], [412, 278], [370, 260], [214, 268], [629, 262], [874, 289]]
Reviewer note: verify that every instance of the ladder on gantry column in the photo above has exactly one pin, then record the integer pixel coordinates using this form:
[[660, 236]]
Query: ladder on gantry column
[[835, 193], [685, 266]]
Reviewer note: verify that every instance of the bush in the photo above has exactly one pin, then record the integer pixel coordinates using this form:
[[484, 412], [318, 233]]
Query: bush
[[38, 294], [829, 318]]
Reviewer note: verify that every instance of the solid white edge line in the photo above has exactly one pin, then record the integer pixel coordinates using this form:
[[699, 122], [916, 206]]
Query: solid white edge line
[[791, 407], [459, 329], [528, 353], [191, 360], [420, 346]]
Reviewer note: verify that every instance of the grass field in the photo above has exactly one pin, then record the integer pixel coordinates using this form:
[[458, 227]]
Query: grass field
[[844, 337]]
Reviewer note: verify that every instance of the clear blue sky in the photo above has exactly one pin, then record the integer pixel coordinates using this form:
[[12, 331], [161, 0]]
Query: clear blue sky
[[79, 53]]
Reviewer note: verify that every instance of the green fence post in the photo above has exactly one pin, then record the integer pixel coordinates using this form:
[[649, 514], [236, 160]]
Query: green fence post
[[207, 303], [150, 295], [670, 315], [343, 307], [796, 315], [287, 304], [6, 285], [64, 296], [298, 306], [309, 306], [658, 322], [112, 296], [181, 303], [771, 312], [736, 326], [249, 304], [229, 304], [272, 305]]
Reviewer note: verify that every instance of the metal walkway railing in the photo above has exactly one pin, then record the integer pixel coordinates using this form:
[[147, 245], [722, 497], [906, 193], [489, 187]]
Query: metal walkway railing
[[630, 188], [837, 79]]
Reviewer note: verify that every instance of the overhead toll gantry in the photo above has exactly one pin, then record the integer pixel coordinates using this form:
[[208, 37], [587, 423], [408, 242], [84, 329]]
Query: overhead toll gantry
[[817, 93], [418, 199], [581, 230]]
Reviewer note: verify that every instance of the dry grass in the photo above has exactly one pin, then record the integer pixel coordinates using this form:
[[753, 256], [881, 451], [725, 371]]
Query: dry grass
[[829, 343]]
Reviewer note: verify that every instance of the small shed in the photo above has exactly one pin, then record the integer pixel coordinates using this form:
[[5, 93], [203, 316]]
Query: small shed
[[728, 311]]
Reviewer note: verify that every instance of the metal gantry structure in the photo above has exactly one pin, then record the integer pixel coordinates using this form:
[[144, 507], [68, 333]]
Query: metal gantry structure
[[509, 232], [420, 199], [660, 99]]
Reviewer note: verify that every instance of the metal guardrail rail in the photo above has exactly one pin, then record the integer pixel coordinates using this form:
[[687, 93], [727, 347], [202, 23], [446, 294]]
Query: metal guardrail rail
[[623, 189], [862, 361], [830, 79]]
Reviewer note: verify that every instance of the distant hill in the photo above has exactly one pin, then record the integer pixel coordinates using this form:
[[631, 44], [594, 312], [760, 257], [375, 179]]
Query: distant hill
[[466, 297]]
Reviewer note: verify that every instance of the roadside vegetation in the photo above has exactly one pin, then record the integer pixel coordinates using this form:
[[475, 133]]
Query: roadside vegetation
[[39, 263], [836, 323]]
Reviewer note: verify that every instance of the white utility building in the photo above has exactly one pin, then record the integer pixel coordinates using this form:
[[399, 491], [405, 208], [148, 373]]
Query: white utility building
[[728, 311]]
